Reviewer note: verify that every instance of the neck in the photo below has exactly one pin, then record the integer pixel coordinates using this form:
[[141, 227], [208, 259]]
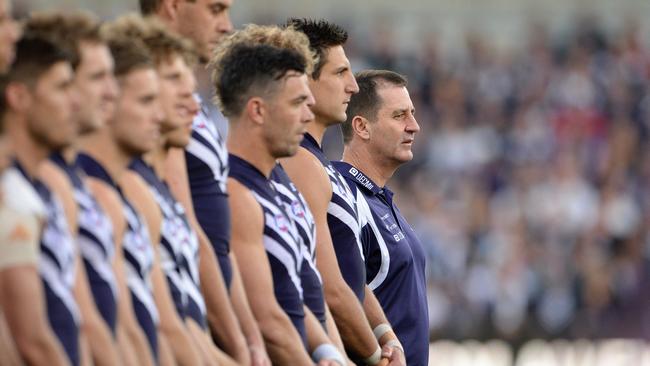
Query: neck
[[202, 74], [246, 145], [379, 171], [103, 148], [28, 152], [317, 130], [70, 153], [156, 159]]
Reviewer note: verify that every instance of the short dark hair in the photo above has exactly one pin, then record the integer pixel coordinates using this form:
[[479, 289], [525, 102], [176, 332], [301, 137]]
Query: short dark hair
[[129, 52], [34, 57], [248, 70], [148, 7], [322, 35], [366, 102], [66, 30]]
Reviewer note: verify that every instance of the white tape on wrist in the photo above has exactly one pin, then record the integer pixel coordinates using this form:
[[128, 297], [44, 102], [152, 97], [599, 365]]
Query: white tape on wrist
[[327, 351], [394, 343], [374, 359], [381, 329]]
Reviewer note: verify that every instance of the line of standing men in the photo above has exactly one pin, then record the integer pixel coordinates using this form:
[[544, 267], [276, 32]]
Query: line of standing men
[[162, 242]]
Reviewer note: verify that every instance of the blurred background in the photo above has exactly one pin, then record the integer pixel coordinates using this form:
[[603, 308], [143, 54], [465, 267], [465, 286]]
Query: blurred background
[[529, 185]]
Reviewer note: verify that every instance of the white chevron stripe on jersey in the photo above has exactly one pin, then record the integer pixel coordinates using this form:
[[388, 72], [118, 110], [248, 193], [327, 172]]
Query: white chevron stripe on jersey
[[206, 155], [311, 262], [96, 257], [366, 218], [50, 272], [301, 215], [194, 291], [209, 133], [141, 290], [290, 236], [345, 217], [279, 252], [340, 188]]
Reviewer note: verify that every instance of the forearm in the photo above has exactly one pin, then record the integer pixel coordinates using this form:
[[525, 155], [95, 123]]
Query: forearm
[[221, 315], [100, 343], [126, 350], [43, 350], [283, 341], [211, 354], [315, 333], [94, 330], [135, 336], [351, 321], [22, 301], [180, 343], [246, 319], [332, 330], [375, 315], [171, 326], [165, 354]]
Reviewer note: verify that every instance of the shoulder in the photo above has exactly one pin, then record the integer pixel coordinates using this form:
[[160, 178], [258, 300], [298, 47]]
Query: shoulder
[[241, 196], [305, 161], [109, 199], [19, 194], [308, 174], [58, 182], [52, 175], [134, 187], [243, 205], [137, 191]]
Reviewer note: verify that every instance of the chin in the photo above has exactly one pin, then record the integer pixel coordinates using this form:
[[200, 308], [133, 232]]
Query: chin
[[404, 159], [178, 144], [58, 146], [284, 153]]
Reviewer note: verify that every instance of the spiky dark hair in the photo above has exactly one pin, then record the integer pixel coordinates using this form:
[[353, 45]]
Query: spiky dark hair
[[322, 35], [252, 70]]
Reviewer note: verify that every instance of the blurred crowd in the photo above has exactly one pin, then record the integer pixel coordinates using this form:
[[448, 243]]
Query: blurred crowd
[[529, 186]]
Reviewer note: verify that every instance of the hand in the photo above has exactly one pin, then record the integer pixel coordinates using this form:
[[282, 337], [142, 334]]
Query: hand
[[259, 357], [394, 355], [384, 362]]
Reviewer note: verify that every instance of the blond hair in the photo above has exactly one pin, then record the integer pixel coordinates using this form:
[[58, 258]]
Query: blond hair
[[161, 42], [66, 30], [128, 50], [271, 35]]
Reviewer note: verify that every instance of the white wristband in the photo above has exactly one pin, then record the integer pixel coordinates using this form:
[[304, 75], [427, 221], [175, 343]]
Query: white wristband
[[394, 343], [374, 359], [381, 329], [327, 351]]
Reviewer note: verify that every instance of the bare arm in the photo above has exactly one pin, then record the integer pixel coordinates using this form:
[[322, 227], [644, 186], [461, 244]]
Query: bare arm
[[101, 345], [165, 353], [171, 325], [332, 330], [211, 353], [94, 335], [311, 179], [376, 316], [22, 299], [132, 342], [282, 339], [259, 356], [221, 315], [8, 348]]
